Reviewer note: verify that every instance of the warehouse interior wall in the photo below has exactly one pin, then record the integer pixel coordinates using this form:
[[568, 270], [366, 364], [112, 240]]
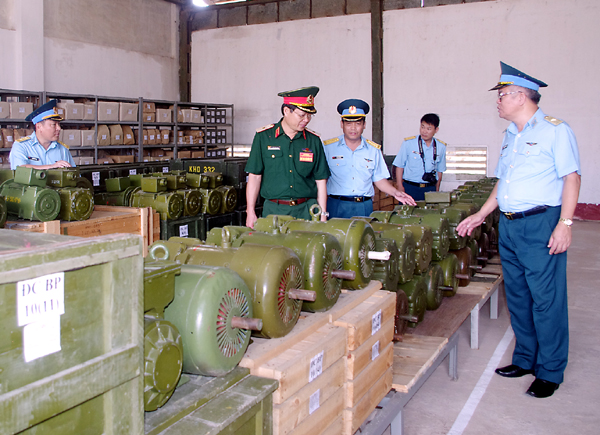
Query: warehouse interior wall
[[436, 59], [120, 48]]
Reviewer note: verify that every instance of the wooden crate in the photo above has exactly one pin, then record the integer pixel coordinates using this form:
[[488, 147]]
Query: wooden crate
[[357, 388], [89, 378], [365, 320], [290, 414], [357, 360], [104, 220], [355, 416], [316, 424]]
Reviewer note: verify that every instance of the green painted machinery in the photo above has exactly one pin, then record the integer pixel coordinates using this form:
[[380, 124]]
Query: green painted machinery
[[454, 216], [387, 271], [192, 201], [77, 203], [6, 174], [28, 197], [229, 198], [153, 193], [450, 274], [3, 211], [416, 292], [212, 201], [320, 254], [215, 179], [273, 274], [407, 248], [118, 192], [434, 282], [163, 348], [356, 237]]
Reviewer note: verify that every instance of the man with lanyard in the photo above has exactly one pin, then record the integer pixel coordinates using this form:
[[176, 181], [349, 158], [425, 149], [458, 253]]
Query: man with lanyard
[[42, 150], [287, 163], [421, 160], [537, 191], [355, 164]]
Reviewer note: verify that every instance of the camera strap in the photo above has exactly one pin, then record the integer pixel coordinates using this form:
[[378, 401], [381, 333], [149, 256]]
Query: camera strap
[[423, 153]]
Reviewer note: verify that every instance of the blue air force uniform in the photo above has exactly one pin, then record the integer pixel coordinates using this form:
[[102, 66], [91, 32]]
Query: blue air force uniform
[[28, 151], [531, 168], [352, 176]]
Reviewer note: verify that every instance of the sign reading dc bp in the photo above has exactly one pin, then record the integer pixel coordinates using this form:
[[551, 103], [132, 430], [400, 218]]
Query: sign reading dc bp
[[40, 297]]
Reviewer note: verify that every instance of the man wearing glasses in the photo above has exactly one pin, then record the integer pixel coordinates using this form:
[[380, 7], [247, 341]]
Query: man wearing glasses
[[287, 164], [537, 191]]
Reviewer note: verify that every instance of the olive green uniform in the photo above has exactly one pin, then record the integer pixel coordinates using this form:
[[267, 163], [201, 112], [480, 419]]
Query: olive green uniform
[[289, 169]]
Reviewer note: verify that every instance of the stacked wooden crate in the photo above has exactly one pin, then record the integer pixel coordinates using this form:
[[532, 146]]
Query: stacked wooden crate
[[370, 357]]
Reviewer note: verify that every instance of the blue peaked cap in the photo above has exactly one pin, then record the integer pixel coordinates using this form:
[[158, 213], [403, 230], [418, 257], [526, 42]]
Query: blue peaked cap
[[512, 76]]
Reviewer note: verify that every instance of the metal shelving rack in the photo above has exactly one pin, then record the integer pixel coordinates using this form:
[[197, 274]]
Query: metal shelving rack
[[10, 95]]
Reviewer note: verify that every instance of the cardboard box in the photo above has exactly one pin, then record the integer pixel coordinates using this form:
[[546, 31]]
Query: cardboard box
[[123, 159], [89, 111], [186, 116], [71, 138], [88, 138], [116, 134], [158, 152], [197, 117], [197, 154], [149, 117], [20, 133], [8, 135], [129, 136], [1, 142], [80, 161], [152, 136], [103, 135], [108, 111], [164, 115], [145, 137], [149, 107], [4, 110], [128, 112], [165, 136], [168, 155], [184, 154], [73, 111], [105, 161], [180, 115], [20, 110]]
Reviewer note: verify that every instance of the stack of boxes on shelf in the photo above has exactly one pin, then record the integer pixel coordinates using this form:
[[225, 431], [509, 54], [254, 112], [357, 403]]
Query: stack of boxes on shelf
[[13, 110]]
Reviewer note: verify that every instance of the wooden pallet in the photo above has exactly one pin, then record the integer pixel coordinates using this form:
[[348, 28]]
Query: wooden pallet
[[104, 220]]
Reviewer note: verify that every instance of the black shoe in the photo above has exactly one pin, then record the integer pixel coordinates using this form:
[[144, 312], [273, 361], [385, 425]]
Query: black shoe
[[513, 371], [540, 388]]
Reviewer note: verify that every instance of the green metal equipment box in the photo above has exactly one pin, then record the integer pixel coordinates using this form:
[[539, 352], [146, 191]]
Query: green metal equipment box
[[71, 348]]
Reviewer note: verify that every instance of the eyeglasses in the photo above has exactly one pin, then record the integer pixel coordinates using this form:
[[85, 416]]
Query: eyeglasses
[[504, 94], [302, 114]]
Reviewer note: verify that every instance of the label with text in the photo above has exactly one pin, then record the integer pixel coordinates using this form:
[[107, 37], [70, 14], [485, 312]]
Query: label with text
[[376, 322], [40, 297], [316, 366], [314, 402]]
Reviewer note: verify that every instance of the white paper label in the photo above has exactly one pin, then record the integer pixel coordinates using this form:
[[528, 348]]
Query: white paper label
[[314, 402], [376, 322], [166, 136], [183, 231], [74, 111], [90, 111], [108, 111], [130, 111], [40, 297], [103, 137], [21, 110], [117, 136], [41, 338], [316, 366], [132, 171], [375, 351], [96, 178], [128, 136], [165, 169], [71, 137], [90, 137], [9, 139]]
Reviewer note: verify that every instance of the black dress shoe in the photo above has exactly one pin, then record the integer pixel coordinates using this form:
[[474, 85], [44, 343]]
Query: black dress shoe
[[540, 388], [513, 371]]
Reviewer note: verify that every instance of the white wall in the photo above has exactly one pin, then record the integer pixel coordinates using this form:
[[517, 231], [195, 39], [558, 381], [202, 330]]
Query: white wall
[[438, 59]]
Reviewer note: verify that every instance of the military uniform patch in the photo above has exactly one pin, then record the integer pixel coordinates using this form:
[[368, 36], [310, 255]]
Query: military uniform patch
[[332, 140], [376, 145], [315, 133], [266, 127], [23, 138], [410, 138], [442, 142], [553, 120], [66, 146]]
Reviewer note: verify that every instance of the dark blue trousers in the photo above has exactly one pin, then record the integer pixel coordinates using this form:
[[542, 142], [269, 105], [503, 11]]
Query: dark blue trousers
[[418, 193], [347, 209], [536, 294]]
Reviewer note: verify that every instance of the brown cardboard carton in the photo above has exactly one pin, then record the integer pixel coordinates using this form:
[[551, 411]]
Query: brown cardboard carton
[[169, 155], [123, 159], [158, 152], [197, 154], [105, 161], [71, 138], [4, 110], [8, 134], [151, 136], [116, 134], [197, 117], [186, 116], [103, 135], [184, 154], [87, 138], [79, 161], [164, 115], [145, 136], [149, 117], [20, 110], [72, 111], [149, 107], [108, 111], [128, 112], [1, 141], [128, 135], [20, 133], [179, 115], [165, 136], [89, 111]]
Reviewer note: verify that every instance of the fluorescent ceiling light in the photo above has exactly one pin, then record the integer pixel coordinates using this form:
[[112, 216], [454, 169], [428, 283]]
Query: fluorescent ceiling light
[[200, 3]]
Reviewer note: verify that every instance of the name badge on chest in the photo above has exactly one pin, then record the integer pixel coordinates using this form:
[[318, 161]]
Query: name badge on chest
[[306, 157]]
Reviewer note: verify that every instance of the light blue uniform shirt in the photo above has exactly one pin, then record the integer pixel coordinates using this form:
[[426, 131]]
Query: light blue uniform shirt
[[354, 172], [409, 158], [31, 152], [533, 162]]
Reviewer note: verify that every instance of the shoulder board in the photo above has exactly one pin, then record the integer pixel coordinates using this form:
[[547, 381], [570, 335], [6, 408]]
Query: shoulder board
[[410, 138], [266, 127], [332, 140], [66, 146], [553, 120], [315, 133], [376, 145], [24, 138], [441, 141]]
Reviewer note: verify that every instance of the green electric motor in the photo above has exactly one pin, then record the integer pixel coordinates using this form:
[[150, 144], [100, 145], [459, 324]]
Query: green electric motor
[[168, 204], [215, 179], [197, 180], [118, 192], [416, 292], [77, 204], [212, 201], [6, 174], [319, 253], [387, 272], [273, 274], [454, 216], [229, 198], [405, 241], [192, 201], [450, 273], [434, 281], [356, 237], [3, 211], [28, 197]]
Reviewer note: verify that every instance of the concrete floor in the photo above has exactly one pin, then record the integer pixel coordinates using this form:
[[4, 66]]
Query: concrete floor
[[504, 408]]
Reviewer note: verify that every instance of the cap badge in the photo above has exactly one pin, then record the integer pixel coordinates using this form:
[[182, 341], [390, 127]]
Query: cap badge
[[352, 110], [310, 100]]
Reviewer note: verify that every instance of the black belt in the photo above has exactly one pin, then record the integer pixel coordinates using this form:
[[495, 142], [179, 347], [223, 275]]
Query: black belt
[[351, 198], [291, 202], [412, 183], [521, 214]]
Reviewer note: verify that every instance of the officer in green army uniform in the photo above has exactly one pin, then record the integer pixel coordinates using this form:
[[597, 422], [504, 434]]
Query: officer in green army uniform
[[287, 163]]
